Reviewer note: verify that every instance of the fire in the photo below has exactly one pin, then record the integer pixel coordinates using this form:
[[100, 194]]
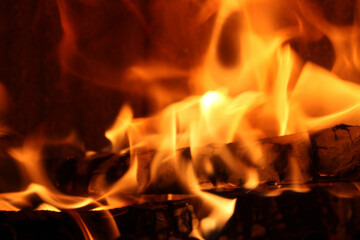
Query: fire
[[222, 210], [249, 84]]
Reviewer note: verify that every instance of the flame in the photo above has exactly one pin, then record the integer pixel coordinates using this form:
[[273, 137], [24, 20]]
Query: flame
[[117, 132], [84, 228], [47, 207], [248, 83], [222, 210], [261, 89], [30, 158]]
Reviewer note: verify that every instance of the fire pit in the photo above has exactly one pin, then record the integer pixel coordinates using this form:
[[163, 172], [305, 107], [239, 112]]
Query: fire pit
[[238, 119]]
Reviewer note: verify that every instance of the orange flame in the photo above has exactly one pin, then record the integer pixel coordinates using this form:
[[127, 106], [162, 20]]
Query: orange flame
[[249, 84], [264, 89]]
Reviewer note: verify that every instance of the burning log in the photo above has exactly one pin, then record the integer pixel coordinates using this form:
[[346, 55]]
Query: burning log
[[328, 155], [151, 220], [313, 215]]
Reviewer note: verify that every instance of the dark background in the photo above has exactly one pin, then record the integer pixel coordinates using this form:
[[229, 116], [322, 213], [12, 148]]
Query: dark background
[[58, 90]]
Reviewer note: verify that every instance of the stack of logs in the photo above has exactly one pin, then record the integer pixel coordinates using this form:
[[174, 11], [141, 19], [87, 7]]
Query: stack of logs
[[329, 158], [313, 215], [329, 155]]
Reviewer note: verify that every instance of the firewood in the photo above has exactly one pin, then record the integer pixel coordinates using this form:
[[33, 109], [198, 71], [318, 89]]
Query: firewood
[[150, 220], [331, 154], [313, 215]]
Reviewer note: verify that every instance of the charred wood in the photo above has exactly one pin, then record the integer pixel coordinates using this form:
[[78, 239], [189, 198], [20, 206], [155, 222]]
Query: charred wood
[[313, 215], [331, 154]]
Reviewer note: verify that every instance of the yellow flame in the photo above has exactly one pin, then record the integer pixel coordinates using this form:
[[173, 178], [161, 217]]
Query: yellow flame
[[222, 210], [47, 207], [116, 134], [269, 91], [266, 89]]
